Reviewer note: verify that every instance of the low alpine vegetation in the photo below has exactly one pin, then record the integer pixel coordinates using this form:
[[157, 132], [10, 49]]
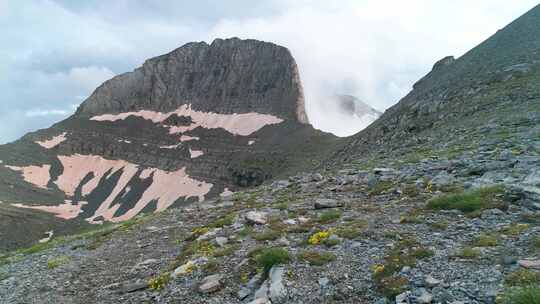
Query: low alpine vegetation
[[486, 240], [316, 258], [329, 217], [468, 202], [57, 262], [269, 257]]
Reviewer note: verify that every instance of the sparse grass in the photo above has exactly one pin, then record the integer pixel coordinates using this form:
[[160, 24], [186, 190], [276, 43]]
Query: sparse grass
[[300, 228], [467, 202], [410, 190], [196, 233], [486, 240], [329, 217], [417, 155], [224, 221], [269, 257], [390, 287], [352, 230], [248, 230], [515, 229], [400, 256], [380, 188], [524, 295], [331, 242], [469, 253], [35, 248], [535, 242], [422, 253], [203, 248], [410, 219], [226, 251], [58, 261], [522, 277], [316, 258], [267, 235], [212, 266], [159, 282], [441, 225]]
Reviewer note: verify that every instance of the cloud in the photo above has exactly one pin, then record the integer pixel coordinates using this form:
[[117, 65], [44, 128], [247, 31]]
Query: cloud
[[365, 49], [38, 113], [54, 53]]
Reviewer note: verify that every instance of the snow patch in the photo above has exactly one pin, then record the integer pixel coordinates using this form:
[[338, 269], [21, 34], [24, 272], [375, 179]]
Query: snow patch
[[237, 124], [195, 153], [65, 211], [188, 138], [38, 176], [51, 143], [170, 147], [166, 187]]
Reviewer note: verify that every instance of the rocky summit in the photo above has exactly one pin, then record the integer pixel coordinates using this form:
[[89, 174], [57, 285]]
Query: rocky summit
[[437, 201]]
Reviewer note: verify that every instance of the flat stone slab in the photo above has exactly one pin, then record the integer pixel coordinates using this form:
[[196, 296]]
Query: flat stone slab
[[534, 264]]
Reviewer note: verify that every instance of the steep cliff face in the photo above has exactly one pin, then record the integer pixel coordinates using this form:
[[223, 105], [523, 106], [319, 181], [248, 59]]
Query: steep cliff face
[[193, 124], [227, 76]]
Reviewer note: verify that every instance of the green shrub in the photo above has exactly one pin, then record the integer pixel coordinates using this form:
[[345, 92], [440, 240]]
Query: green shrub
[[467, 202], [226, 251], [410, 190], [469, 253], [442, 225], [524, 295], [247, 230], [329, 217], [269, 257], [58, 261], [316, 258], [486, 240], [536, 242], [515, 229], [390, 287], [224, 221], [422, 253], [267, 235], [380, 188], [522, 277]]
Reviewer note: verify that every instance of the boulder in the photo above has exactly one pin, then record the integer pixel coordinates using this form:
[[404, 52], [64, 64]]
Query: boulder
[[257, 217], [327, 203], [211, 283]]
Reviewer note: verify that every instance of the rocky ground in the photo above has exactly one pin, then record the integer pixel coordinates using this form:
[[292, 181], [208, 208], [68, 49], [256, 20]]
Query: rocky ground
[[455, 227]]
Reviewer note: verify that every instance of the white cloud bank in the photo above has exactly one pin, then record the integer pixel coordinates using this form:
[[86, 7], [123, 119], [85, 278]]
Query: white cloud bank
[[374, 50]]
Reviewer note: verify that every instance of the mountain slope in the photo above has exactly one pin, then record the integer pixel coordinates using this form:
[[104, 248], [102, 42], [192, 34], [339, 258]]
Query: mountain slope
[[198, 122], [493, 79]]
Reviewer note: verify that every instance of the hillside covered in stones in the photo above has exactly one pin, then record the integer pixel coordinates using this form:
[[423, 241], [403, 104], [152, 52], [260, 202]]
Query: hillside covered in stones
[[438, 201]]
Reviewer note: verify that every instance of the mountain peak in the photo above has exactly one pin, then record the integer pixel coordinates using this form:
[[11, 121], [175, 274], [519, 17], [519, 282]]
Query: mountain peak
[[227, 76]]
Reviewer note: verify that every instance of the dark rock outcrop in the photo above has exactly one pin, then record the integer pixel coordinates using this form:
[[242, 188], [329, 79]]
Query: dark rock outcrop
[[227, 76]]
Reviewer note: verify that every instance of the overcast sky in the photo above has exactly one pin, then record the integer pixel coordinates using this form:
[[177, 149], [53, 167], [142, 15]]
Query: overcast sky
[[54, 53]]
